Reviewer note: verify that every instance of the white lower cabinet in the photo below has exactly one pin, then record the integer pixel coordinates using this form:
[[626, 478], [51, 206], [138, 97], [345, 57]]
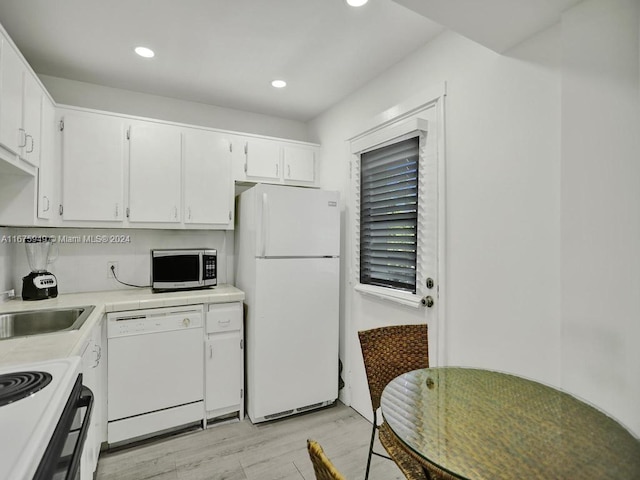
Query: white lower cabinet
[[93, 371], [224, 360]]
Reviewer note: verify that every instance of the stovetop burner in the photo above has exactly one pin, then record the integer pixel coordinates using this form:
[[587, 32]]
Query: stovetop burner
[[18, 385]]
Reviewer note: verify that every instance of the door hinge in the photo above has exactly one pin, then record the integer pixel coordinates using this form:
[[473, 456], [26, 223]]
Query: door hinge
[[129, 133], [61, 125], [127, 212], [60, 209]]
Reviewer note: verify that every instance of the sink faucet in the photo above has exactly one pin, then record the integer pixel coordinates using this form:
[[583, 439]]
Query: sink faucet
[[9, 295]]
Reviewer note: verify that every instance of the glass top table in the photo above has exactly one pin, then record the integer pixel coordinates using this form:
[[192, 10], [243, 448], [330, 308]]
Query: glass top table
[[479, 424]]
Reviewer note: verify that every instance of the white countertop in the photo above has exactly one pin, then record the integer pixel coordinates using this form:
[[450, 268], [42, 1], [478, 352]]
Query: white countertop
[[63, 344]]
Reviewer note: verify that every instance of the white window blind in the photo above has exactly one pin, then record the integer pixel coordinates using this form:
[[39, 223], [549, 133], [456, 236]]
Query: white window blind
[[389, 215]]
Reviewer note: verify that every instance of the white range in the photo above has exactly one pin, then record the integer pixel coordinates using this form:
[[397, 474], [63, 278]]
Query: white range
[[41, 408]]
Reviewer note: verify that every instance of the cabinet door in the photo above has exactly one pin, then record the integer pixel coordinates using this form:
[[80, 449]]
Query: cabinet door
[[208, 186], [31, 118], [263, 159], [12, 136], [299, 164], [154, 173], [223, 370], [92, 373], [47, 157], [92, 167]]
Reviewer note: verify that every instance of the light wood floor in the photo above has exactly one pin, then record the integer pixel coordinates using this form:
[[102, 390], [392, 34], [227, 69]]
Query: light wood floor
[[274, 450]]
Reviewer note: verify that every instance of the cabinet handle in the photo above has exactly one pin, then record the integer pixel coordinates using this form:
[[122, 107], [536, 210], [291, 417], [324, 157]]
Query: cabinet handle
[[289, 171], [189, 210], [32, 144], [98, 353], [23, 138], [117, 210], [175, 213], [46, 209], [210, 351], [277, 170]]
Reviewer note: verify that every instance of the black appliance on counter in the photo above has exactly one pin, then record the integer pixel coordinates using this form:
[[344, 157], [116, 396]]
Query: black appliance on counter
[[39, 284]]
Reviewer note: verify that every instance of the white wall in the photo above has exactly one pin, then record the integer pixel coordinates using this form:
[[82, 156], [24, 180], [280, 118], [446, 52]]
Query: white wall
[[81, 266], [601, 206], [542, 204], [80, 94], [502, 202]]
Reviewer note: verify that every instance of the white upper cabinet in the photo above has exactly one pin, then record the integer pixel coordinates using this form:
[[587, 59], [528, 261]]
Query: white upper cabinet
[[154, 173], [20, 106], [12, 135], [274, 161], [208, 186], [31, 119], [46, 172], [262, 159], [93, 147], [299, 163]]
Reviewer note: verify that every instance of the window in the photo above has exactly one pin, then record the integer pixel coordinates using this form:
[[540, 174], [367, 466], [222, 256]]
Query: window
[[389, 215], [395, 214]]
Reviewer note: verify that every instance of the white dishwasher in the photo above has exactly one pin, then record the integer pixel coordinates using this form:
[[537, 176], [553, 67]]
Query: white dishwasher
[[155, 371]]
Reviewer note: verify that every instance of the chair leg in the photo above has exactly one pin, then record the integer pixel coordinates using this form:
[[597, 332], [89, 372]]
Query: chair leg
[[373, 437]]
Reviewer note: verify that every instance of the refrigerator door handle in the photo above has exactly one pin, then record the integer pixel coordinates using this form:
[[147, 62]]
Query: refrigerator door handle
[[265, 229]]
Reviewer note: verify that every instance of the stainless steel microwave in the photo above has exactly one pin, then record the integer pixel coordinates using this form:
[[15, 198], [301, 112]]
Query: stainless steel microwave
[[183, 269]]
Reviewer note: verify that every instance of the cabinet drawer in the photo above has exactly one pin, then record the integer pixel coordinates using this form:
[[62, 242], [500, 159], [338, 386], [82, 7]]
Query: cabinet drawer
[[224, 317]]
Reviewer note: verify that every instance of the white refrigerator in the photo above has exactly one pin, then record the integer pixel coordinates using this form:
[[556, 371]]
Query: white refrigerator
[[287, 263]]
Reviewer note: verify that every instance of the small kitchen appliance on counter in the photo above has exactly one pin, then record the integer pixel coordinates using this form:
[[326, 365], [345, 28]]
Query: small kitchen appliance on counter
[[183, 269], [39, 284]]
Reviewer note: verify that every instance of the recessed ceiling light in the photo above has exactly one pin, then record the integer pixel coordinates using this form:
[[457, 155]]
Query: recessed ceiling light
[[144, 52], [357, 3], [279, 83]]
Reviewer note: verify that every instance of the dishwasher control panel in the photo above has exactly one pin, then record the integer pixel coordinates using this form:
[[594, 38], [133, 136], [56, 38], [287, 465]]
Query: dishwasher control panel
[[155, 320]]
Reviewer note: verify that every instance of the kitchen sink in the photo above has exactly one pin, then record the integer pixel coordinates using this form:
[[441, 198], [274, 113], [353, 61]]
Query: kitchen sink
[[38, 322]]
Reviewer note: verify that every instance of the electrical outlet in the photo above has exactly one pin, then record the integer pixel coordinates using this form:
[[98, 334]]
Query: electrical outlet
[[109, 271]]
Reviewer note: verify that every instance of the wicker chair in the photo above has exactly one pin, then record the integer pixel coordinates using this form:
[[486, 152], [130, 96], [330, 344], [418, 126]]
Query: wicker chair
[[389, 352], [322, 466]]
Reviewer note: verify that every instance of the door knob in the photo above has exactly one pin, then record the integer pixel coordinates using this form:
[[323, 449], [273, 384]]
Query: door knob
[[427, 301]]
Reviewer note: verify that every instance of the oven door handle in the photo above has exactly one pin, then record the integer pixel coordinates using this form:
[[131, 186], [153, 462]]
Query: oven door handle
[[85, 400]]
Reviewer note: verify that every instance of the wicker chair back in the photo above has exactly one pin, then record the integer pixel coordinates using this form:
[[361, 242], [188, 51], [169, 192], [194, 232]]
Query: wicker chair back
[[392, 351], [322, 466]]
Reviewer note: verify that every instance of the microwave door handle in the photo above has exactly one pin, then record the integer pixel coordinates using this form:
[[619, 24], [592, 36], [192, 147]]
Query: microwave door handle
[[86, 400], [201, 274]]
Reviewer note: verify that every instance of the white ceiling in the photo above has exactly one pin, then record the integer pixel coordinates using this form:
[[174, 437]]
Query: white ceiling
[[220, 52], [496, 24], [226, 52]]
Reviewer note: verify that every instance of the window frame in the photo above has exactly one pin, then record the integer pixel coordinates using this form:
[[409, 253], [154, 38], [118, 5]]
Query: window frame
[[388, 135]]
